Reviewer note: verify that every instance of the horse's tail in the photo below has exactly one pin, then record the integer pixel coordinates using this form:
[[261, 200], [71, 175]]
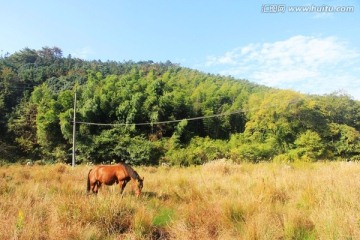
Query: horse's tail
[[88, 181]]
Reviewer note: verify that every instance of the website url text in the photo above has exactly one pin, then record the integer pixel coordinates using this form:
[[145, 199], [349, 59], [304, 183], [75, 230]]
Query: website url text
[[282, 8]]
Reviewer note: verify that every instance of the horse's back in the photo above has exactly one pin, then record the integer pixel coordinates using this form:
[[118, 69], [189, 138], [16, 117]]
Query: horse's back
[[109, 174]]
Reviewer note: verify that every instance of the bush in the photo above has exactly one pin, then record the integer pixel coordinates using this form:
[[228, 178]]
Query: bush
[[114, 145], [198, 151], [7, 152], [309, 145], [282, 158], [254, 152]]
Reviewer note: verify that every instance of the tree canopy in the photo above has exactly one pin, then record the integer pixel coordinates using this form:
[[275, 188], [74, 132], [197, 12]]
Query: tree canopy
[[248, 122]]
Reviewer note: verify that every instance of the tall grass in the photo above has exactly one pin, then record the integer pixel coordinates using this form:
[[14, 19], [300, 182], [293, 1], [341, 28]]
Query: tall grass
[[218, 200]]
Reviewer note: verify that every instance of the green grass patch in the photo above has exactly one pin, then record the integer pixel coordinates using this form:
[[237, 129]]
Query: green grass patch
[[163, 217]]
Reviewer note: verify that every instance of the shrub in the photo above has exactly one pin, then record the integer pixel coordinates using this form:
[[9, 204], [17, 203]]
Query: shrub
[[113, 144], [198, 151], [253, 152], [282, 158], [309, 144]]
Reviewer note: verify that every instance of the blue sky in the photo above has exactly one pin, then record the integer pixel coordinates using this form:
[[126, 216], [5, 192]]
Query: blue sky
[[312, 52]]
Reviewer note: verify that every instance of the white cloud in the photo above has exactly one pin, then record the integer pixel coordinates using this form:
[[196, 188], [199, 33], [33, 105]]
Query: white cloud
[[228, 58], [304, 63], [83, 53]]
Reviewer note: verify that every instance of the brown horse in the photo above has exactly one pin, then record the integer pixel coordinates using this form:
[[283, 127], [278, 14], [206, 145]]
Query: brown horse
[[109, 174]]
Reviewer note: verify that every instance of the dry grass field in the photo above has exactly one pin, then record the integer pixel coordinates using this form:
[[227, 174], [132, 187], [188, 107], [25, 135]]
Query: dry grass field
[[218, 200]]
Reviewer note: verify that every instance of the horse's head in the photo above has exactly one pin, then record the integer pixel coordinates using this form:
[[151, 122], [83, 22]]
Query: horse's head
[[139, 186]]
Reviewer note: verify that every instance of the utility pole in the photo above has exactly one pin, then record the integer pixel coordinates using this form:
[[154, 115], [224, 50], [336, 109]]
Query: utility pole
[[74, 130]]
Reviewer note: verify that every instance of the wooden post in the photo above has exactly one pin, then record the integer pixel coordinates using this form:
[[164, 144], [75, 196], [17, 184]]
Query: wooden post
[[74, 130]]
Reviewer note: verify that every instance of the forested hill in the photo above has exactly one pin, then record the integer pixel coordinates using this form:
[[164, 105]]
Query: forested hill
[[124, 107]]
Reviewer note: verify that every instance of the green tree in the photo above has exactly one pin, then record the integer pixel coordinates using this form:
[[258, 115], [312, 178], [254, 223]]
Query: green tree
[[345, 141], [22, 125], [309, 144]]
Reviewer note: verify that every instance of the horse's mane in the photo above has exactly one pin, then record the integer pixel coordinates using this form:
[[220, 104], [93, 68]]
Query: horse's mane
[[132, 173]]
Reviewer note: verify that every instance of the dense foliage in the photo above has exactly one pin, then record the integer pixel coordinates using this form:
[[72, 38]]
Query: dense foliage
[[255, 122]]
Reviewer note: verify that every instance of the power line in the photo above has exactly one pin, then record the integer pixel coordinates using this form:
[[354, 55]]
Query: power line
[[17, 87], [162, 122], [294, 101]]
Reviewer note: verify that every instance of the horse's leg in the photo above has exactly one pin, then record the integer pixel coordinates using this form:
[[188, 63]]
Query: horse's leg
[[92, 186], [96, 187], [122, 186]]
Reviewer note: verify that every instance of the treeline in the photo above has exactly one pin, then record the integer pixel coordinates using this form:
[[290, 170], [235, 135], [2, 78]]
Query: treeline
[[254, 123]]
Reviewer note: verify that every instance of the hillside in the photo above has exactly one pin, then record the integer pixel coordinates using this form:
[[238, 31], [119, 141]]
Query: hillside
[[245, 121]]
